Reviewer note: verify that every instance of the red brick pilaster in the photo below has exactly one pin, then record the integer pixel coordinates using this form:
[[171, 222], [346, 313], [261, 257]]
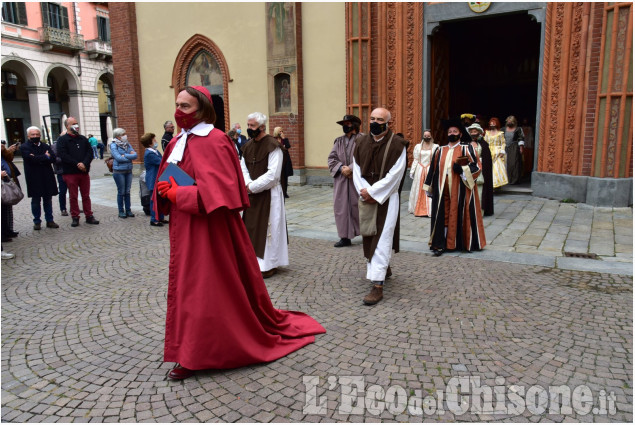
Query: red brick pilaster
[[127, 76]]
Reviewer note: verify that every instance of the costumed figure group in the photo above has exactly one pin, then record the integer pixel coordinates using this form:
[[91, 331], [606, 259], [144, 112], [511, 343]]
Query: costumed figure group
[[219, 259]]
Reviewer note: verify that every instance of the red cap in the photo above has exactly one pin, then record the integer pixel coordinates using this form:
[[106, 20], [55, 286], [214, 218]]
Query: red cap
[[204, 91]]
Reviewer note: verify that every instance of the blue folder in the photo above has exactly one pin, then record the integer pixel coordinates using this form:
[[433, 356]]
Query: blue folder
[[180, 177]]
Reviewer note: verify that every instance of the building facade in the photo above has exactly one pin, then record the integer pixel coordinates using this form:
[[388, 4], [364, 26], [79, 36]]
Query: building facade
[[563, 68], [56, 62]]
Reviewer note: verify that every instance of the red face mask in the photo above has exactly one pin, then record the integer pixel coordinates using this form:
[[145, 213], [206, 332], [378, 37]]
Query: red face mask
[[184, 120]]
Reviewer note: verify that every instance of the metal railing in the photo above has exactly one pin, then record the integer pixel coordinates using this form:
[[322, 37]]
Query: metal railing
[[61, 38]]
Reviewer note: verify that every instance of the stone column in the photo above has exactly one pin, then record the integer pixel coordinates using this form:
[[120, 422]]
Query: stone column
[[39, 106], [76, 108]]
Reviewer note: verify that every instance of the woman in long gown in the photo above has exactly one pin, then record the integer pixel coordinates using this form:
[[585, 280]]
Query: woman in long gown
[[419, 204], [496, 140], [514, 144]]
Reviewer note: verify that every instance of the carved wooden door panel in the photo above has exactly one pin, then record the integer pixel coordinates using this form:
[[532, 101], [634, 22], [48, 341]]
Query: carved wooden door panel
[[439, 83]]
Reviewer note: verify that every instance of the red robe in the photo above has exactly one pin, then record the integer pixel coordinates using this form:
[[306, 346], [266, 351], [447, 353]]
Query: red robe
[[219, 312]]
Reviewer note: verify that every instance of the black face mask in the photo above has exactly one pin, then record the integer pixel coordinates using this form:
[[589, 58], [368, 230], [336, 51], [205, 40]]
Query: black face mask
[[453, 138], [253, 133], [347, 128], [474, 136], [376, 129], [427, 139], [34, 140]]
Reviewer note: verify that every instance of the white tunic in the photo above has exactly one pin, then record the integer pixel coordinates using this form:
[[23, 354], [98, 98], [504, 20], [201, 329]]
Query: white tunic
[[383, 190], [276, 248]]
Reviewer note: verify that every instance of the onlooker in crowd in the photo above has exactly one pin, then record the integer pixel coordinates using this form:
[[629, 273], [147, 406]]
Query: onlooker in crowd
[[168, 127], [40, 178], [5, 218], [93, 144], [528, 147], [419, 204], [123, 154], [287, 166], [61, 184], [482, 149], [233, 136], [514, 141], [151, 161], [101, 147], [340, 162], [12, 173], [219, 314], [457, 223], [496, 140], [241, 139], [467, 120], [379, 167], [265, 218], [76, 155]]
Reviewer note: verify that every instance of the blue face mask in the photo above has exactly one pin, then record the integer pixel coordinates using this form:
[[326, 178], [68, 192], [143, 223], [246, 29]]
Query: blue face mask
[[238, 131]]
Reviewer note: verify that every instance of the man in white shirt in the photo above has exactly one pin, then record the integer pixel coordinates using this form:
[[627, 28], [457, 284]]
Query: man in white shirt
[[379, 167]]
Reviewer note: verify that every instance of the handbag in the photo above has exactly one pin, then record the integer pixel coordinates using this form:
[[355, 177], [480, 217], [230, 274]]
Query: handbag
[[11, 193], [368, 212], [109, 162]]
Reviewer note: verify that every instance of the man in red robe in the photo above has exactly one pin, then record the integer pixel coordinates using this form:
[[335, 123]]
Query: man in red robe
[[219, 313]]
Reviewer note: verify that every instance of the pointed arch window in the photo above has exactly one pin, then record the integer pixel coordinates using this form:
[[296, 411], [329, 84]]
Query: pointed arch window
[[201, 63]]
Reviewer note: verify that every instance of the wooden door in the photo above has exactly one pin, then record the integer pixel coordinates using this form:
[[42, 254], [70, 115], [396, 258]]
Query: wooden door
[[439, 83]]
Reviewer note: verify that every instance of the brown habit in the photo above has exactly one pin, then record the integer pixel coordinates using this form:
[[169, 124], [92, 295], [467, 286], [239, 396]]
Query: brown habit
[[256, 217], [369, 155]]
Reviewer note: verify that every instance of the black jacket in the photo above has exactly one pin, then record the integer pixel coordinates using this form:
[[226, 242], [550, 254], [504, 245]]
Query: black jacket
[[166, 139], [73, 150], [40, 179]]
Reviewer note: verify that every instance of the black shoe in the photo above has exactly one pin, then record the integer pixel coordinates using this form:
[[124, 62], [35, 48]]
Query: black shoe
[[75, 222], [342, 242], [91, 220], [438, 252], [165, 221], [37, 226], [130, 214], [13, 234], [156, 223]]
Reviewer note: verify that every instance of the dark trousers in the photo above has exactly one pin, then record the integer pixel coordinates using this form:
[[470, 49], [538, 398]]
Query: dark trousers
[[36, 208], [62, 189], [81, 182]]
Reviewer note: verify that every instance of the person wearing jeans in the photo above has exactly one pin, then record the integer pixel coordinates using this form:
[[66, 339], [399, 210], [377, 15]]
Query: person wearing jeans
[[57, 167], [123, 155]]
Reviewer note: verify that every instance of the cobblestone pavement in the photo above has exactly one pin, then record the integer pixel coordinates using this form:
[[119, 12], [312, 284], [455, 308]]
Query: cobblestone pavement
[[83, 313]]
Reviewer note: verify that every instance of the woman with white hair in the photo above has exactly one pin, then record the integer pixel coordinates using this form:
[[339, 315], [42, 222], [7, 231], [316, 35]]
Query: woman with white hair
[[123, 155]]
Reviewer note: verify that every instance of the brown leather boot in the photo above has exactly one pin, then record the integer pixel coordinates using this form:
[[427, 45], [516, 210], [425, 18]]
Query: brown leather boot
[[375, 295]]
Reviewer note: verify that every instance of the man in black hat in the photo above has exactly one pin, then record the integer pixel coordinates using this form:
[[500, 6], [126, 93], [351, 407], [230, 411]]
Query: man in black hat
[[340, 164], [457, 223]]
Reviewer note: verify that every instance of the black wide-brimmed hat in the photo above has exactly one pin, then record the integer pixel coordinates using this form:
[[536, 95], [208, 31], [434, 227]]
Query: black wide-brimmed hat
[[452, 122], [351, 118]]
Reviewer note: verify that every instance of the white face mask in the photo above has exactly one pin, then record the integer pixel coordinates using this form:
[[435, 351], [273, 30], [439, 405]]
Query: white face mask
[[124, 138], [75, 127]]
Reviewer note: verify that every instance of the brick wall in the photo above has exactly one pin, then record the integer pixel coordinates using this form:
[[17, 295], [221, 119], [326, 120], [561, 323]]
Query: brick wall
[[594, 49], [126, 72], [294, 129]]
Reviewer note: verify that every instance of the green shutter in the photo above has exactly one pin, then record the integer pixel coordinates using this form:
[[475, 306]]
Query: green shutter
[[45, 14], [64, 18], [107, 25]]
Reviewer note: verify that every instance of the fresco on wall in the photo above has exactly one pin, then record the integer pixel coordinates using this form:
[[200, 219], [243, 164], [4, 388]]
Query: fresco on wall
[[280, 29], [204, 71]]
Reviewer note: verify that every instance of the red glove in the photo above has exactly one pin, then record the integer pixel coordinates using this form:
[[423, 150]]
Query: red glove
[[168, 190]]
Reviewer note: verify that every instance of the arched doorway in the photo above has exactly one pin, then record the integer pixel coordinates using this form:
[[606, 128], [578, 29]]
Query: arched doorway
[[201, 63], [106, 101], [63, 97], [19, 100]]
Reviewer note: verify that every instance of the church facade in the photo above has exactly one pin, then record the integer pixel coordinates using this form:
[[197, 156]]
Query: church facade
[[565, 69]]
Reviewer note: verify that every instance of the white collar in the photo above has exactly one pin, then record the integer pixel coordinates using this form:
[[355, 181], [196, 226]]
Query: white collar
[[200, 129]]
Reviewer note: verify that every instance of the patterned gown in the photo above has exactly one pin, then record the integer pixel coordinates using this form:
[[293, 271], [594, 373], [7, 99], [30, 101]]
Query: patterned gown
[[499, 165]]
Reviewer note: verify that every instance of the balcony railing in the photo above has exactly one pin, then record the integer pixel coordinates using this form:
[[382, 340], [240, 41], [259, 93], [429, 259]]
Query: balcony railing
[[98, 49], [61, 38]]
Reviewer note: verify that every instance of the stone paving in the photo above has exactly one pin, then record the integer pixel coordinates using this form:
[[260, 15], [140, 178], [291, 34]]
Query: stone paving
[[83, 313]]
